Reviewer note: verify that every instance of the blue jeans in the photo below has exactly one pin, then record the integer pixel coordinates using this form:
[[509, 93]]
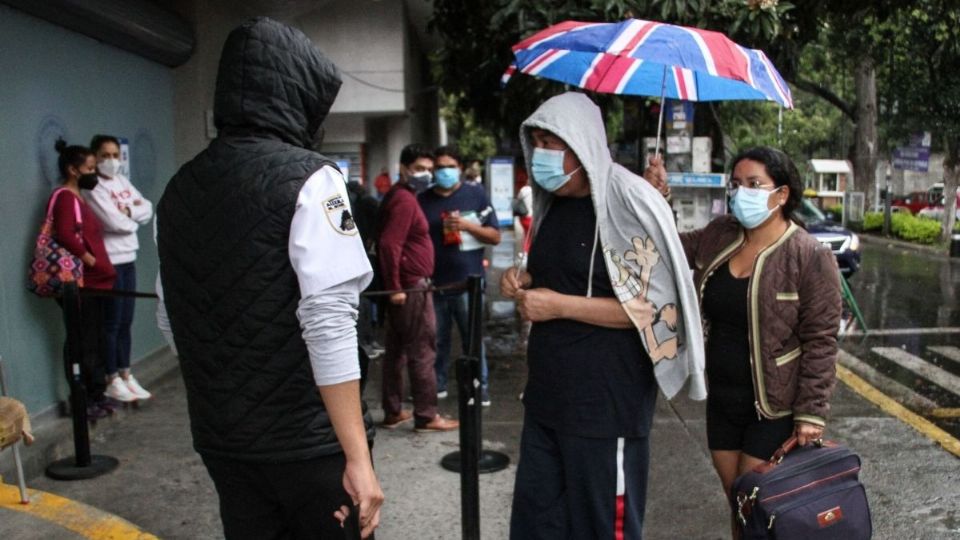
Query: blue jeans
[[118, 318], [455, 308]]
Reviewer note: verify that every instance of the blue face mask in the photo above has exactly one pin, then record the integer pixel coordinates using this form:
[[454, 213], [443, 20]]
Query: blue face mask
[[547, 168], [447, 177], [749, 206]]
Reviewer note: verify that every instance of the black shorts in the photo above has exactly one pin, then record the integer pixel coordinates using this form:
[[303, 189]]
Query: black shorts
[[732, 424]]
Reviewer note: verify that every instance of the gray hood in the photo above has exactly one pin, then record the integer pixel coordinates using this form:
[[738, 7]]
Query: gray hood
[[638, 236]]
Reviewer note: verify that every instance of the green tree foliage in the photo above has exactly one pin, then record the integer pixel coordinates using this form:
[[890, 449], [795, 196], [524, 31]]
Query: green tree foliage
[[473, 140], [922, 81], [813, 129]]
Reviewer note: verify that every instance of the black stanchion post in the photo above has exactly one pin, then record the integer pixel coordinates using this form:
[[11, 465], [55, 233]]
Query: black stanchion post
[[468, 459], [490, 461], [472, 460], [73, 359], [83, 465]]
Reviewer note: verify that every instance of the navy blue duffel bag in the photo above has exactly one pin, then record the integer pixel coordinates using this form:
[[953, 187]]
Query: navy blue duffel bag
[[807, 492]]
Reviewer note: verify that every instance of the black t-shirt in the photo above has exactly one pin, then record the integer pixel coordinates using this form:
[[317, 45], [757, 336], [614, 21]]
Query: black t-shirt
[[728, 347], [584, 380]]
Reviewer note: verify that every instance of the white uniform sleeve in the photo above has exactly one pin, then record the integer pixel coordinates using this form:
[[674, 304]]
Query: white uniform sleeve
[[163, 322], [332, 268]]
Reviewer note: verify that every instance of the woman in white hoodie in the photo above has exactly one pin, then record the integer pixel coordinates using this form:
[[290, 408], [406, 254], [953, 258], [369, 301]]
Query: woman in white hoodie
[[121, 209]]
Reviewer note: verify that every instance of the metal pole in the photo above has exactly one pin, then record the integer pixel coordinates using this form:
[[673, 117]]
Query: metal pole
[[468, 457], [474, 350], [780, 126], [78, 391], [18, 463], [471, 459], [887, 200], [663, 95]]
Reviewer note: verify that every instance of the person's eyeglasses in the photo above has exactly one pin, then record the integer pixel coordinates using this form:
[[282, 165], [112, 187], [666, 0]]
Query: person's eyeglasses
[[732, 185]]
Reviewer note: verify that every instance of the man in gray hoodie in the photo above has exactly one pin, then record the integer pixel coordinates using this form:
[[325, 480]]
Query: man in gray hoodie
[[614, 313]]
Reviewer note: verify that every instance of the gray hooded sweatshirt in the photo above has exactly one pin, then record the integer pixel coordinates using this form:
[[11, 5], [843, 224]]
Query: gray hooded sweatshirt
[[638, 236]]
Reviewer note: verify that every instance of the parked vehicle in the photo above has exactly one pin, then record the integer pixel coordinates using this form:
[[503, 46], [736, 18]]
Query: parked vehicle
[[920, 200], [843, 242], [935, 210]]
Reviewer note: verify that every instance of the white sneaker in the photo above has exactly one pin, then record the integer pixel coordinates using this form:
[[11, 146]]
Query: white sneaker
[[119, 391], [136, 389]]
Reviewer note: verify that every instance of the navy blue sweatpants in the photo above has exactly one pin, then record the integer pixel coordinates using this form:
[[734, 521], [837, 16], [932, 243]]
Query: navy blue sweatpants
[[578, 487]]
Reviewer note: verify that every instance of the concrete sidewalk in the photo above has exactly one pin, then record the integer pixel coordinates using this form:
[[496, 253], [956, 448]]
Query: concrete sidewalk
[[162, 486]]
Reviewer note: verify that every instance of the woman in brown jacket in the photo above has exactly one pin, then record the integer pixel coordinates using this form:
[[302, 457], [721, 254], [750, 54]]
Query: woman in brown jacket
[[770, 299]]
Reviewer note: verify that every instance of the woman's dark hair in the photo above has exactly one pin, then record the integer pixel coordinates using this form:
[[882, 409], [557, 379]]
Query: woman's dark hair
[[449, 150], [99, 140], [70, 156], [781, 169], [413, 152]]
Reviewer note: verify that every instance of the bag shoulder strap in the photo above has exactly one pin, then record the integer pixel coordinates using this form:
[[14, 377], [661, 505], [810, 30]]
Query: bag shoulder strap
[[77, 213]]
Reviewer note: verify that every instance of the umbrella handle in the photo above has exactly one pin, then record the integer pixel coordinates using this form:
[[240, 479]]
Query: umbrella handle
[[663, 94]]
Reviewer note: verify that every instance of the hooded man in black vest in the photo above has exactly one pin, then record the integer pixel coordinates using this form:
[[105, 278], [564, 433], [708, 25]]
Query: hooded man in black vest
[[261, 269]]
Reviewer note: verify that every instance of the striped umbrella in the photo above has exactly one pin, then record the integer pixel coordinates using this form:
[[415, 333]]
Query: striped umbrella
[[648, 58]]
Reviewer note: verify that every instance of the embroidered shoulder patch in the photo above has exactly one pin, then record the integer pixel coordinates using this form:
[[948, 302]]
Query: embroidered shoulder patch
[[339, 216]]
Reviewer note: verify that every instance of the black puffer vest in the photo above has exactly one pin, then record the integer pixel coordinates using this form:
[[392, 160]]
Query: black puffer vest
[[223, 226]]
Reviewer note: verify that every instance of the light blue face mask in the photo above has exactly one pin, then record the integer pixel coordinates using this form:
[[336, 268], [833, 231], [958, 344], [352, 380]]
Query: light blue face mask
[[547, 168], [749, 206], [447, 177]]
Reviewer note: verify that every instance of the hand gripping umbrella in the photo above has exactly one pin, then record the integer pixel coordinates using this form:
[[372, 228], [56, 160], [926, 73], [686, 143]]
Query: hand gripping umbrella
[[648, 58]]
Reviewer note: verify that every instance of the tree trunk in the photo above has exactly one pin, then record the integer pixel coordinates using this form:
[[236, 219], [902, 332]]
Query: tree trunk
[[865, 148], [951, 172]]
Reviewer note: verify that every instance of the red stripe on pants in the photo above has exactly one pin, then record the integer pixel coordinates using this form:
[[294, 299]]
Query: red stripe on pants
[[618, 523]]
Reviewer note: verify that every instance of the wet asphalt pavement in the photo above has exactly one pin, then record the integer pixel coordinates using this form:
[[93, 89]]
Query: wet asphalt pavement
[[899, 290]]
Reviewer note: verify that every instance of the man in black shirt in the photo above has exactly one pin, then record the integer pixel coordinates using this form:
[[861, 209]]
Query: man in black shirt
[[591, 391]]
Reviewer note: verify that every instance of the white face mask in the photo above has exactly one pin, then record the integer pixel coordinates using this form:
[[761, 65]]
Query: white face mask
[[109, 167]]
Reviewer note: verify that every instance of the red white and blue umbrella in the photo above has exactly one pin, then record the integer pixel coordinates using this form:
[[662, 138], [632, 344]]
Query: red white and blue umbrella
[[648, 58]]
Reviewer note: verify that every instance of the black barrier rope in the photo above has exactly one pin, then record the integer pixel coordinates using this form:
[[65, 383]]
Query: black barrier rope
[[454, 287], [114, 293]]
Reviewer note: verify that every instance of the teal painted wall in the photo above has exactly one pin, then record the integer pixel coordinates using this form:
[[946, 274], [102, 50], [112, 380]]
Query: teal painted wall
[[54, 81]]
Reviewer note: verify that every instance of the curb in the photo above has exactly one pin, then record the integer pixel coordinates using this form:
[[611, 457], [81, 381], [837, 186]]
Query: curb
[[87, 521], [902, 244], [890, 406]]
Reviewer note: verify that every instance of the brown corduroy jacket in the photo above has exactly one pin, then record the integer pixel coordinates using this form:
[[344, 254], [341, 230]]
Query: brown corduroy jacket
[[793, 309]]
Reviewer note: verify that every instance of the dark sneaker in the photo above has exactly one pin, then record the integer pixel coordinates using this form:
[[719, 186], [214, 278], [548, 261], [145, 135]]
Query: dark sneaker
[[94, 412], [108, 404], [392, 421], [438, 423]]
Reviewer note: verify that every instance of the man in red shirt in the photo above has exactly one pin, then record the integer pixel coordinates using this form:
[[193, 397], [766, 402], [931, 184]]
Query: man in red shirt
[[406, 262]]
